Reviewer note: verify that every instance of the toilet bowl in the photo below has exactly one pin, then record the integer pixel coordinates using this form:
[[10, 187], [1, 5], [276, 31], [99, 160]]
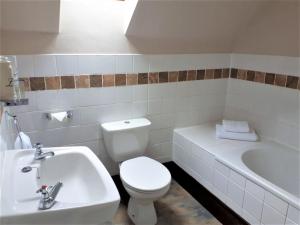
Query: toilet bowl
[[145, 179]]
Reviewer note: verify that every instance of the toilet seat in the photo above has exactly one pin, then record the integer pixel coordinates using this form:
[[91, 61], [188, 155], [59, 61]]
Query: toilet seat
[[144, 175]]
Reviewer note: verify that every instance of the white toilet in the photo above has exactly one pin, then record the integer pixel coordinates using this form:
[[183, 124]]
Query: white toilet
[[145, 179]]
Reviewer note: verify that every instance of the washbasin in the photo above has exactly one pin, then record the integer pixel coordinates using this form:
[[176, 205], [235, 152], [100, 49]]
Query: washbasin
[[88, 194]]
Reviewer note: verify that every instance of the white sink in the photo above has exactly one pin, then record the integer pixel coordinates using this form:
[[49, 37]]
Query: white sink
[[88, 194]]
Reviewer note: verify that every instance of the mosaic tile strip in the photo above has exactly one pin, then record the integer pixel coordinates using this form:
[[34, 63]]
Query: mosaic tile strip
[[110, 80], [279, 80]]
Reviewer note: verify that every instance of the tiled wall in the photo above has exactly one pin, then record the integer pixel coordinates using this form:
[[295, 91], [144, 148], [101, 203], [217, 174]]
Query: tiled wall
[[270, 99], [171, 90], [273, 111], [122, 87]]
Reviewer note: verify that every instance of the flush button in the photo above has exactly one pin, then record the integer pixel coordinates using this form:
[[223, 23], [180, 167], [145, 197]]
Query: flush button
[[127, 122]]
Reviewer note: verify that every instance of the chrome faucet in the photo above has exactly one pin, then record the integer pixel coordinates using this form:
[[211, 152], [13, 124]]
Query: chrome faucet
[[49, 194], [39, 154]]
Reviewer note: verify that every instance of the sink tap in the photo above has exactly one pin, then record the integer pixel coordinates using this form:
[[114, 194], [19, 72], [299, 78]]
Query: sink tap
[[39, 154], [48, 196]]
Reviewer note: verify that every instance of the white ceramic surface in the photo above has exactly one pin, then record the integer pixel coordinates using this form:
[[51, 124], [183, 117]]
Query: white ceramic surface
[[126, 139], [273, 167], [137, 173], [88, 194], [230, 152]]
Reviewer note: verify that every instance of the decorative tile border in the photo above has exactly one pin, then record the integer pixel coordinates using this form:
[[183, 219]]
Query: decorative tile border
[[111, 80], [280, 80]]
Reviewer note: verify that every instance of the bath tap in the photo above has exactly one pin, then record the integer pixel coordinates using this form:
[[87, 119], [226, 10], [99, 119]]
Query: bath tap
[[48, 196], [39, 154]]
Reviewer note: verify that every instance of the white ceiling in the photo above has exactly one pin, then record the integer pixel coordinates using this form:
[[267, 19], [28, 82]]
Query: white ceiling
[[30, 15], [152, 26], [270, 26]]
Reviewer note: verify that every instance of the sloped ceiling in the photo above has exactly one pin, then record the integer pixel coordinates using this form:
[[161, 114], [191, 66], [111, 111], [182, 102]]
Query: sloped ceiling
[[269, 27], [30, 15], [223, 25], [191, 19]]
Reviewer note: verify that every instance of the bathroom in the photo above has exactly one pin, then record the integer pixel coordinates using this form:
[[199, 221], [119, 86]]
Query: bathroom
[[150, 112]]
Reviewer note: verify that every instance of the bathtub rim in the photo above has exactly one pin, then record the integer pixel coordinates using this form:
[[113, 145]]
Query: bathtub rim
[[229, 152]]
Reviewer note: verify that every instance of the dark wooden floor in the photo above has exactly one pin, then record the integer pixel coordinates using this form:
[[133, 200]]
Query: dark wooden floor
[[217, 208]]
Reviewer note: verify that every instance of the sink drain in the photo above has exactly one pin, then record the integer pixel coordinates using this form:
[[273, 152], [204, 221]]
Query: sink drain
[[26, 169]]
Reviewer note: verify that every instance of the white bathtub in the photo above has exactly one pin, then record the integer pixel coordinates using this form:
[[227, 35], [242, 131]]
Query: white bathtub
[[258, 180], [279, 166]]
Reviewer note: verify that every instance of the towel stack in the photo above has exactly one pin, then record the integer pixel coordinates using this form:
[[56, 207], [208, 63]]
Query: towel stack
[[235, 130]]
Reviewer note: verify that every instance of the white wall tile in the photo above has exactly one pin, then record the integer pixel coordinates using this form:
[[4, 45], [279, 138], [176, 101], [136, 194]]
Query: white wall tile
[[270, 216], [140, 92], [96, 64], [105, 64], [251, 101], [159, 63], [253, 206], [124, 64], [87, 64], [213, 61], [139, 109], [25, 65], [107, 95], [160, 135], [90, 115], [89, 97], [65, 136], [289, 222], [267, 63], [238, 179], [254, 189], [47, 100], [37, 121], [56, 100], [68, 98], [67, 64], [44, 65], [293, 214], [96, 96], [166, 105], [154, 107], [220, 182], [124, 94], [235, 193], [141, 64], [276, 203], [155, 91], [222, 168], [32, 104], [108, 113]]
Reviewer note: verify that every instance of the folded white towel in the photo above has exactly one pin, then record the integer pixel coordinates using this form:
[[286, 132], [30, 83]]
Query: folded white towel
[[221, 133], [23, 141], [236, 126]]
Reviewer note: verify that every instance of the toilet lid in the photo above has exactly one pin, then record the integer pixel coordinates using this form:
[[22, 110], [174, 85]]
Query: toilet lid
[[144, 174]]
